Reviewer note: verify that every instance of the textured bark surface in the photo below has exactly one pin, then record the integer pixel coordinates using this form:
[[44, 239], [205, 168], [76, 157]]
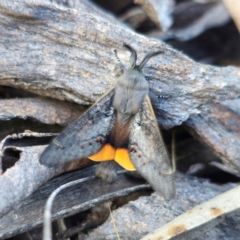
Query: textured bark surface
[[135, 219], [219, 129], [44, 110], [25, 174], [66, 54], [144, 215], [193, 18], [201, 219], [30, 213]]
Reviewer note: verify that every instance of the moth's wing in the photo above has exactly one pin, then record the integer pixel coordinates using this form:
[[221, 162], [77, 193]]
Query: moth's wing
[[148, 152], [83, 137]]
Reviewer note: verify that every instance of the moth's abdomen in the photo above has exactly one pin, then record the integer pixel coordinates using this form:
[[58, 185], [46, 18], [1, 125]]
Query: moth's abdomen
[[116, 147]]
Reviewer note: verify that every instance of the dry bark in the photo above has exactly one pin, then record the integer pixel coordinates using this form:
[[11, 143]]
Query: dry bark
[[137, 218], [25, 174], [30, 213], [233, 8], [159, 12], [67, 54], [44, 110], [219, 129], [200, 219], [193, 18]]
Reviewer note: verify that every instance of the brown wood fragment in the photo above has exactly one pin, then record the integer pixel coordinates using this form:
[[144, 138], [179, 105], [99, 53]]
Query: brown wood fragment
[[159, 11], [134, 17], [233, 7]]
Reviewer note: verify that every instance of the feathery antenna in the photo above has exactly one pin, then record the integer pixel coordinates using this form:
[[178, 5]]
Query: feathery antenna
[[146, 59]]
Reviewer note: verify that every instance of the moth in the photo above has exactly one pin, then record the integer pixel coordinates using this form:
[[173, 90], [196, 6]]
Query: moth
[[120, 126]]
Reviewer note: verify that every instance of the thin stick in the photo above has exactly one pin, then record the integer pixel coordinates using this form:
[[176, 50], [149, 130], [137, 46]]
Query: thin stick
[[204, 216], [173, 152], [47, 226], [114, 225]]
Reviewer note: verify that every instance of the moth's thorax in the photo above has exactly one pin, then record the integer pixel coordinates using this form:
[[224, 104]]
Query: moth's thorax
[[130, 91]]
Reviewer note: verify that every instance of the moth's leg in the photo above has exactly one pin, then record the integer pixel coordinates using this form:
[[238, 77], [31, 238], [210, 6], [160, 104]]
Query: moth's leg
[[107, 171]]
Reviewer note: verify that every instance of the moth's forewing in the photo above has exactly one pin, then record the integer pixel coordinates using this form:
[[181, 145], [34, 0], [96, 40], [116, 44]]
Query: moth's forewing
[[83, 137], [148, 152]]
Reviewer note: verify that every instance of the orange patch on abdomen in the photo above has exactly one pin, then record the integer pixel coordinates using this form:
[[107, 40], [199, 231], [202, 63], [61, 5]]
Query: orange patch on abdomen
[[123, 159], [120, 155], [106, 153]]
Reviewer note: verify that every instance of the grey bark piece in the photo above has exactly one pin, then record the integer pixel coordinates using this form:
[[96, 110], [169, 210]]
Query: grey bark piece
[[29, 214], [68, 55], [193, 223], [44, 110], [89, 7], [27, 174], [219, 129], [234, 105], [193, 18], [142, 216]]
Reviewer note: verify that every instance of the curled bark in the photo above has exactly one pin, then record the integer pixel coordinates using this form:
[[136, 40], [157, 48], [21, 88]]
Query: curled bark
[[25, 174], [219, 129]]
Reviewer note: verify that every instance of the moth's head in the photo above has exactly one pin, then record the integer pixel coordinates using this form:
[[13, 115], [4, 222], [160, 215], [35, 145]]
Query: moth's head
[[133, 58]]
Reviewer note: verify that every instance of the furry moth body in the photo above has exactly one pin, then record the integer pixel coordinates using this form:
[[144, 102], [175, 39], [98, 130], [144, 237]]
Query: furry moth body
[[121, 126]]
